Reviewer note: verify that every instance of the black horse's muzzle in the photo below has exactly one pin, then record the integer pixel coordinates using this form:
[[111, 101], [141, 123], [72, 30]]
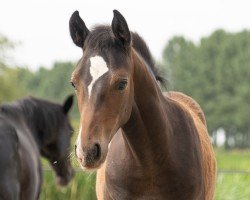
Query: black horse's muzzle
[[65, 179]]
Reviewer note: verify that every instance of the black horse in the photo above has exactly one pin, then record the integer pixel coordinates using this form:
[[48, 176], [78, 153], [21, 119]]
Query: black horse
[[29, 128]]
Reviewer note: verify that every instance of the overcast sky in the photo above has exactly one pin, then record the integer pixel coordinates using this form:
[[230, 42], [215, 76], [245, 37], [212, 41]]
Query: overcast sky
[[42, 25]]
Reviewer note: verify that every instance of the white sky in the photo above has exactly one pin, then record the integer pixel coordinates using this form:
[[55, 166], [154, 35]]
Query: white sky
[[42, 25]]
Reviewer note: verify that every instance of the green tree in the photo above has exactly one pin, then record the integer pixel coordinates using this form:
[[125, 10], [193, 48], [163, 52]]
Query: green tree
[[9, 86]]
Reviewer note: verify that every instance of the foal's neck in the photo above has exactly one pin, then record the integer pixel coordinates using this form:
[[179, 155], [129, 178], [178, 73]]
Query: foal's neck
[[145, 131]]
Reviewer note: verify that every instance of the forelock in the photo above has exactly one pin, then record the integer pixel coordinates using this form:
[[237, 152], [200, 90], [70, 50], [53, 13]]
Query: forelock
[[101, 39]]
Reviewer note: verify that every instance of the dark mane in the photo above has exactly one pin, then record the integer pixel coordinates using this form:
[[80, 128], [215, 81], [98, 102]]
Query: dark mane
[[141, 47], [41, 115], [101, 37]]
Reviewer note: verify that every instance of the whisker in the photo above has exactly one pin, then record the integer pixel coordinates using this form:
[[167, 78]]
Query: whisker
[[70, 156]]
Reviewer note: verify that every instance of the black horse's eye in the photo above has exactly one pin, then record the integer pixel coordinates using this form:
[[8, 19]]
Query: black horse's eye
[[73, 85], [122, 85]]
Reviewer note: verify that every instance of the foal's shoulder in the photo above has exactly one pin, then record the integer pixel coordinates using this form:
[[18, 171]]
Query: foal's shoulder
[[187, 102]]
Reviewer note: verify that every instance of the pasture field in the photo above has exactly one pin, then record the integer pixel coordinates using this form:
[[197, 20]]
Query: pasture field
[[230, 186], [233, 186]]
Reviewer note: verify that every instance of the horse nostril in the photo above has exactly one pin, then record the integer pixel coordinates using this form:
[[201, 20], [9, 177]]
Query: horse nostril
[[97, 151], [93, 154]]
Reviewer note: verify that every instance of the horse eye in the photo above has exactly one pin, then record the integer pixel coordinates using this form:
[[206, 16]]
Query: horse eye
[[122, 85], [73, 85]]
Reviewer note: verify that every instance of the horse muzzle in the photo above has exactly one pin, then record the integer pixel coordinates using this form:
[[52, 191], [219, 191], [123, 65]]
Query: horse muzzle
[[90, 158], [64, 179]]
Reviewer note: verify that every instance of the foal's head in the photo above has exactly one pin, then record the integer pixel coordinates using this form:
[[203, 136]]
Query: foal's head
[[104, 85], [55, 138]]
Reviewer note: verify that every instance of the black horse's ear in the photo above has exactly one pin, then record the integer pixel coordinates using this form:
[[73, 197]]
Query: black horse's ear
[[78, 29], [68, 104], [120, 28]]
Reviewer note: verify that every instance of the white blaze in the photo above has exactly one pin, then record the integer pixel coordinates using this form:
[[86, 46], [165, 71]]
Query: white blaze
[[80, 132], [79, 144], [98, 67]]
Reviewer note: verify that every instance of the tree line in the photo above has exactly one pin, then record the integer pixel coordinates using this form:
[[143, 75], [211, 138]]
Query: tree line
[[214, 71], [15, 81]]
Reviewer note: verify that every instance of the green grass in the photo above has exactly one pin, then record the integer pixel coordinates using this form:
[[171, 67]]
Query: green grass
[[232, 160], [233, 187]]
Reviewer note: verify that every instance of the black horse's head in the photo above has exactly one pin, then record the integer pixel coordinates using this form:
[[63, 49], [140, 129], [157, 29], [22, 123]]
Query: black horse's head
[[54, 132], [49, 125]]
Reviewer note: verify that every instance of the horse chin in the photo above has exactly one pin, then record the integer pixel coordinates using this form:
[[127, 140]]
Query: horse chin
[[93, 166], [64, 180]]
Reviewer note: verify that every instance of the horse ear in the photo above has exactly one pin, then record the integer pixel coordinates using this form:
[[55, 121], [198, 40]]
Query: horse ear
[[120, 28], [68, 104], [78, 29]]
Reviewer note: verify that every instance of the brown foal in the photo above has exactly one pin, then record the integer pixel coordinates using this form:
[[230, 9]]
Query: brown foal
[[145, 144]]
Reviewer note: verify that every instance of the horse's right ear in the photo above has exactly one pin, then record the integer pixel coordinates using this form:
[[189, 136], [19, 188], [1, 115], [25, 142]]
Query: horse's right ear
[[78, 29]]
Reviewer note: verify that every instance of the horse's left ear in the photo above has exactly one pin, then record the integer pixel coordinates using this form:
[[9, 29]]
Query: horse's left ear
[[120, 28], [68, 104]]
